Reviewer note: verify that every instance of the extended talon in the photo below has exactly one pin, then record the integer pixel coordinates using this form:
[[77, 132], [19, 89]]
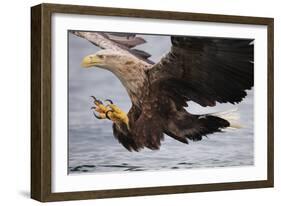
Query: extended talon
[[96, 101], [100, 115], [109, 111], [100, 108], [109, 100], [107, 114], [97, 116]]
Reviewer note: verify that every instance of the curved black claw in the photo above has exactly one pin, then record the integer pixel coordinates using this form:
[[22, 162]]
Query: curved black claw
[[94, 98], [106, 114], [109, 100], [97, 100], [93, 107], [98, 117]]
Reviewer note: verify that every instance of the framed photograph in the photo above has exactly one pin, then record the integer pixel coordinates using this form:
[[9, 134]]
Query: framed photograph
[[132, 102]]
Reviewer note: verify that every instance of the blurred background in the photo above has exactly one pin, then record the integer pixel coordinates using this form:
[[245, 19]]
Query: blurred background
[[92, 147]]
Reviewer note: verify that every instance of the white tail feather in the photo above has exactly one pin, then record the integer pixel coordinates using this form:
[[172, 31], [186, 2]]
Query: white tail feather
[[232, 116]]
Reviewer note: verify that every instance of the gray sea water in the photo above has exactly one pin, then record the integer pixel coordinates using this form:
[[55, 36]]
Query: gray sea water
[[92, 147]]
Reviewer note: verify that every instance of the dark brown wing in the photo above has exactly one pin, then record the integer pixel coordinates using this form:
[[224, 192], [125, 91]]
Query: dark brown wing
[[206, 70]]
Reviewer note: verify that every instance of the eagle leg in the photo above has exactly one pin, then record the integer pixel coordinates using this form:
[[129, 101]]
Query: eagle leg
[[117, 115]]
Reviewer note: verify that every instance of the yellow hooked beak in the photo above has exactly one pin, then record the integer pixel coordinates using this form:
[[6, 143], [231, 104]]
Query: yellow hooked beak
[[91, 60]]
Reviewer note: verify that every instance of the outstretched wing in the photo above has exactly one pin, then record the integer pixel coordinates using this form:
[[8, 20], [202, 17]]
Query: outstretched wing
[[203, 70], [206, 70], [119, 42]]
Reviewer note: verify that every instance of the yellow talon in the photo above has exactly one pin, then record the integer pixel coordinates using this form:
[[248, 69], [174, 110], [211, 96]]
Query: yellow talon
[[110, 111], [100, 108]]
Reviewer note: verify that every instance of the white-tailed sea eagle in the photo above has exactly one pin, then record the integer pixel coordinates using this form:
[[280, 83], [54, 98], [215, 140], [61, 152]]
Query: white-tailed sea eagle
[[200, 69]]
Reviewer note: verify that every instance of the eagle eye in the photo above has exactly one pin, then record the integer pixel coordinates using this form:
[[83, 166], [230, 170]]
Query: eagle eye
[[100, 56]]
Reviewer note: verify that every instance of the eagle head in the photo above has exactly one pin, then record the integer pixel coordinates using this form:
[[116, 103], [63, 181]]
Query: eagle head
[[108, 59], [129, 69]]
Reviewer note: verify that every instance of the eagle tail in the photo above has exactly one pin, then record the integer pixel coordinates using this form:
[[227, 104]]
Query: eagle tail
[[184, 126]]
